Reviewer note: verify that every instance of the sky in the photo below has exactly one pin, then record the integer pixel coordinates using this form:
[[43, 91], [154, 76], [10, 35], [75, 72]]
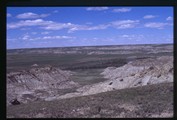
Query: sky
[[37, 27]]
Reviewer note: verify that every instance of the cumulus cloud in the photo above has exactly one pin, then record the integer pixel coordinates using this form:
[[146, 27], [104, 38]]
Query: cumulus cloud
[[149, 16], [79, 27], [57, 37], [47, 25], [9, 15], [122, 10], [158, 25], [29, 38], [58, 26], [24, 28], [134, 37], [34, 39], [98, 27], [124, 24], [25, 37], [96, 8], [169, 18], [50, 25], [31, 15], [25, 23]]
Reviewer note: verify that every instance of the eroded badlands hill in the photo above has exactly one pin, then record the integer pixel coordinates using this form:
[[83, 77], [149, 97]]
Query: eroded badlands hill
[[37, 83]]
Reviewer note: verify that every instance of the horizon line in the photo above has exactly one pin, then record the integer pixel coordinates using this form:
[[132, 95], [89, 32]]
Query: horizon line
[[92, 46]]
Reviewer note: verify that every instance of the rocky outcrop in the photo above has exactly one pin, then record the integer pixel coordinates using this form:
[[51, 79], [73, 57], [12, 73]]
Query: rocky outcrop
[[142, 72], [37, 83], [136, 73]]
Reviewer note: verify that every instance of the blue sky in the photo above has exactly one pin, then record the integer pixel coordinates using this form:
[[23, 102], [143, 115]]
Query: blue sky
[[36, 27]]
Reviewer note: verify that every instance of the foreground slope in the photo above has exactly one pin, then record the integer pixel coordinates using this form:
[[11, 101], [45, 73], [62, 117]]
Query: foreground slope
[[144, 101]]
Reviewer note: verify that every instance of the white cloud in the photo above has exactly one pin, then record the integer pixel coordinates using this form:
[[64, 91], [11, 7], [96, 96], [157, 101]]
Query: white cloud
[[25, 37], [24, 23], [135, 37], [124, 24], [9, 15], [50, 25], [158, 25], [149, 16], [169, 18], [122, 10], [24, 28], [31, 15], [33, 39], [82, 27], [117, 24], [47, 25], [58, 26], [29, 38], [57, 37], [125, 36], [96, 8], [98, 27]]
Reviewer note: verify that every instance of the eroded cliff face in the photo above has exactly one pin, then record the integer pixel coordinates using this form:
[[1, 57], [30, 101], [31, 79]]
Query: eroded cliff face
[[37, 83], [142, 72], [136, 73]]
